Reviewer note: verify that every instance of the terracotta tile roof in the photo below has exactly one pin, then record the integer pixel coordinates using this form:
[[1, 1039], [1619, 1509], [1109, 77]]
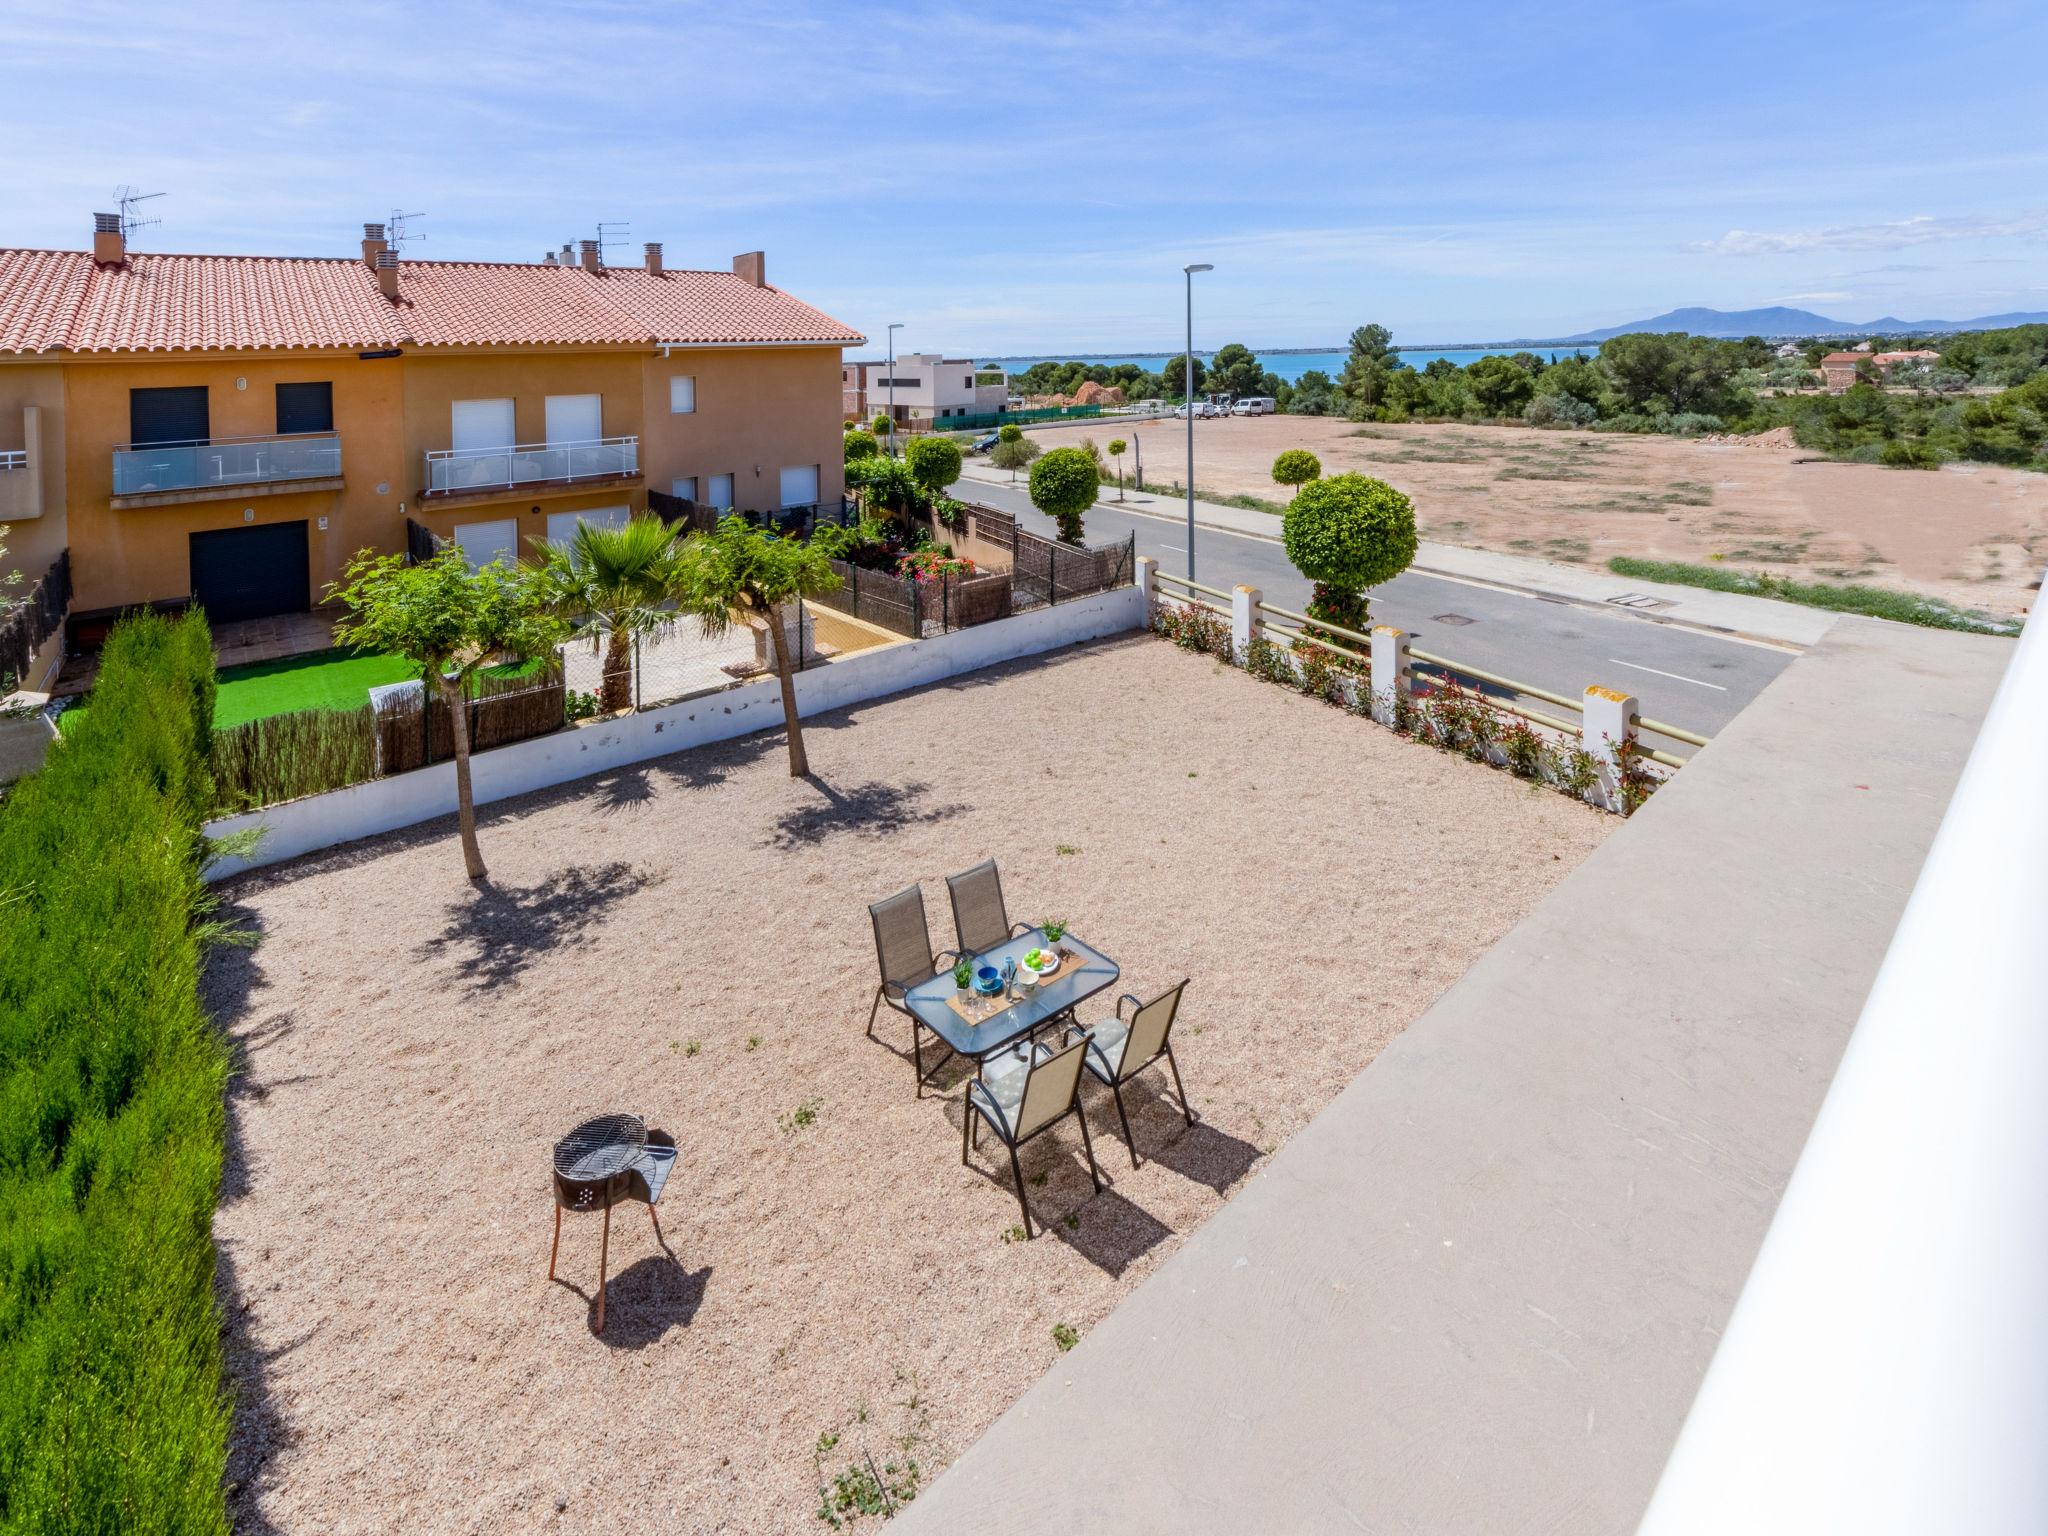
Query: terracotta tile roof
[[64, 301]]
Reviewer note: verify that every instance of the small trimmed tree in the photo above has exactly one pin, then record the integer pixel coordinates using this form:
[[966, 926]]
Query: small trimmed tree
[[860, 445], [1117, 449], [741, 567], [1013, 452], [884, 430], [1064, 485], [934, 463], [1296, 467], [1346, 534], [451, 620]]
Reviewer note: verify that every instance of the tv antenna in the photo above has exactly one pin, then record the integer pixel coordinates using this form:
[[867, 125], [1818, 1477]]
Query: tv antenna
[[612, 232], [125, 198], [395, 230]]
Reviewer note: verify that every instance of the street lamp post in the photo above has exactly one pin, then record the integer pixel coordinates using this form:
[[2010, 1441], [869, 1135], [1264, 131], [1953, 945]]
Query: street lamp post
[[1188, 399], [892, 386]]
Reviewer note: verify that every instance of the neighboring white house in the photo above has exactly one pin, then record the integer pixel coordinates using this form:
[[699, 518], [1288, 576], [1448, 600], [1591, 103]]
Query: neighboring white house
[[926, 387]]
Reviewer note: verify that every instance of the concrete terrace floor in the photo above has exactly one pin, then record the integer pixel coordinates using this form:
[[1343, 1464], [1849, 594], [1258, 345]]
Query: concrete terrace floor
[[1478, 1293]]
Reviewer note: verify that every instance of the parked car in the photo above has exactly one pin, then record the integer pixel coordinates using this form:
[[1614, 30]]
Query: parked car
[[1255, 405], [987, 442]]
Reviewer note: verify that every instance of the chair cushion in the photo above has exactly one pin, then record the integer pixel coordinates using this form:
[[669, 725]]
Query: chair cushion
[[1000, 1088], [1106, 1050]]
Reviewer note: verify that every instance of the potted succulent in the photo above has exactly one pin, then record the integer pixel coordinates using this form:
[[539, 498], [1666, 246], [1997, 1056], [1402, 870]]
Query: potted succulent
[[963, 978], [1055, 929]]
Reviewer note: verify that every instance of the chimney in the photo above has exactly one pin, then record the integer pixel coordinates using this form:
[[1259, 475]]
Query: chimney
[[109, 245], [387, 274], [547, 258], [653, 249], [568, 255], [373, 242], [753, 266], [590, 259]]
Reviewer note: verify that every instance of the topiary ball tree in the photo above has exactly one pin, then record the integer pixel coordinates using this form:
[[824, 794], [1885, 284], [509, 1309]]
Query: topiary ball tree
[[861, 445], [1064, 485], [934, 463], [1296, 467], [1009, 432], [1346, 534]]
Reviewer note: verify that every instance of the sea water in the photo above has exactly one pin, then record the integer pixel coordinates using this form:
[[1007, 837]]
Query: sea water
[[1287, 365]]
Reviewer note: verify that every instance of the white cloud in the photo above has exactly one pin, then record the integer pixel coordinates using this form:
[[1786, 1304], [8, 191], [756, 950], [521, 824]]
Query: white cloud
[[1922, 229]]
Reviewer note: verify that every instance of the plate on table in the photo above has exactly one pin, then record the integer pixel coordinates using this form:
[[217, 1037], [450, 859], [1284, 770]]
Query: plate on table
[[1041, 962]]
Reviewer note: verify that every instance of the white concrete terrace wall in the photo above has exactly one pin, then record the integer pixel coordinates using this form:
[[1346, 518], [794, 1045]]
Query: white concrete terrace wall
[[598, 746]]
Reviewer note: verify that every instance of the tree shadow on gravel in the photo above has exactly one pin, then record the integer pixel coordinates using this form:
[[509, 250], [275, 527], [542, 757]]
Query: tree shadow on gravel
[[873, 809], [501, 931]]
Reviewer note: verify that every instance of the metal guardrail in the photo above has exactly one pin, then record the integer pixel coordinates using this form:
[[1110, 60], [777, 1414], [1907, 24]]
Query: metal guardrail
[[1443, 664], [1885, 1370], [204, 464], [479, 469], [13, 458]]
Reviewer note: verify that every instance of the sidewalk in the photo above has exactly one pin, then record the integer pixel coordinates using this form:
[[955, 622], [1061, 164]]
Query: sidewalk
[[1478, 1292], [1759, 618]]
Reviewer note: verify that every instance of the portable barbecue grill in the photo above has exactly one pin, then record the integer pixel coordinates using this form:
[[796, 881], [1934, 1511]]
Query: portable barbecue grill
[[600, 1163]]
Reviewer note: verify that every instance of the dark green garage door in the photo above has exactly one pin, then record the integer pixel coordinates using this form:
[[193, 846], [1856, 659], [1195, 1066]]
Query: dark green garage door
[[251, 573]]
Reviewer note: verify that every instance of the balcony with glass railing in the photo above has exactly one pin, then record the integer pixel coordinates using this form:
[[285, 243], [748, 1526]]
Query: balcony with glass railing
[[454, 470], [144, 469]]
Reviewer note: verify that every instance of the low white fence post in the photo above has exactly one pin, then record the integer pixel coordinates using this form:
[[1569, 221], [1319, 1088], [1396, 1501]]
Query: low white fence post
[[1244, 620], [1390, 679], [1608, 728], [1147, 566]]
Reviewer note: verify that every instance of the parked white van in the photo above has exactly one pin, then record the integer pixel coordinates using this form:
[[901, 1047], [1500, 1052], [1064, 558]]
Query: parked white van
[[1255, 405]]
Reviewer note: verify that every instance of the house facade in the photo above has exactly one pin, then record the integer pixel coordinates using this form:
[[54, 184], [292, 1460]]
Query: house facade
[[916, 387], [235, 429]]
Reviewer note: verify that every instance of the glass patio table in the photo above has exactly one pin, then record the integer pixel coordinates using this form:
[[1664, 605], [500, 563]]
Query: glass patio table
[[1085, 972]]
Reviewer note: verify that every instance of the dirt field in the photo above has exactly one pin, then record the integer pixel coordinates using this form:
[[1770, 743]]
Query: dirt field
[[1973, 534], [690, 940]]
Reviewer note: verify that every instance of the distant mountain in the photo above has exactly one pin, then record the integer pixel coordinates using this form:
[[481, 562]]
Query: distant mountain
[[1778, 321]]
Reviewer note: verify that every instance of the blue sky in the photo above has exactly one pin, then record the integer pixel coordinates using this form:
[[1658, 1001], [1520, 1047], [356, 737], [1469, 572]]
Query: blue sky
[[1012, 183]]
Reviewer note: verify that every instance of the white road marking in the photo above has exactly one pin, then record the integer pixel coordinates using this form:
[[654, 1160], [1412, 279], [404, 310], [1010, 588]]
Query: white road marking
[[1674, 676], [1178, 549]]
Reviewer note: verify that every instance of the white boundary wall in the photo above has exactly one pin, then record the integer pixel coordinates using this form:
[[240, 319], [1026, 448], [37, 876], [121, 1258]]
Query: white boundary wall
[[598, 746]]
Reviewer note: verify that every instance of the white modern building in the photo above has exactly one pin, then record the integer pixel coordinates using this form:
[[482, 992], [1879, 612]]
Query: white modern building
[[918, 386]]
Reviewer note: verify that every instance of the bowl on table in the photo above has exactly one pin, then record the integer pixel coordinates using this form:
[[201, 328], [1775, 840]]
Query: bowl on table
[[988, 981], [1042, 962]]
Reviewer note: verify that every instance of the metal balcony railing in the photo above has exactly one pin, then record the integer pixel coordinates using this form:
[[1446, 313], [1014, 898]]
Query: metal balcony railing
[[13, 458], [141, 468], [482, 469]]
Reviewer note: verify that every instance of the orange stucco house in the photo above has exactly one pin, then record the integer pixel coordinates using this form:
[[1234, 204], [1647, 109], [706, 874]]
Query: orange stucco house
[[234, 428]]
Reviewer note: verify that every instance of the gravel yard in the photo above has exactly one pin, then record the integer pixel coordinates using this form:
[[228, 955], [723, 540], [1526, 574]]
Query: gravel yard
[[689, 939]]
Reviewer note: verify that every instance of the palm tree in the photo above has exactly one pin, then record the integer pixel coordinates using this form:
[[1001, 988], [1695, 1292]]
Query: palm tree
[[614, 582], [741, 567]]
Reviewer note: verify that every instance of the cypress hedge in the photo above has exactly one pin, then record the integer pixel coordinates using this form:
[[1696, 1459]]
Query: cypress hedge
[[112, 1413]]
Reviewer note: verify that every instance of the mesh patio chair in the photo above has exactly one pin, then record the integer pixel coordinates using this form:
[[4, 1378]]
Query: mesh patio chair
[[1022, 1093], [903, 951], [980, 921], [1120, 1049]]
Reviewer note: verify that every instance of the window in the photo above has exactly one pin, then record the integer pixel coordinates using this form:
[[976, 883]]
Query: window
[[718, 491], [800, 485], [475, 424], [682, 394], [305, 407], [481, 543], [686, 487], [574, 419], [898, 383], [968, 382], [167, 415], [562, 525]]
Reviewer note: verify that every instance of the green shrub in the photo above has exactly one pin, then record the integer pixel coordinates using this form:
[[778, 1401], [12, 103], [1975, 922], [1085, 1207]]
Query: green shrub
[[861, 445], [1346, 534], [934, 462], [1064, 485], [112, 1416], [1900, 454], [1297, 466]]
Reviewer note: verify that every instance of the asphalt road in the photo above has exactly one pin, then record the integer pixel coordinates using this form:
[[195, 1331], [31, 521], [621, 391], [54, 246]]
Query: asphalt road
[[1683, 676]]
